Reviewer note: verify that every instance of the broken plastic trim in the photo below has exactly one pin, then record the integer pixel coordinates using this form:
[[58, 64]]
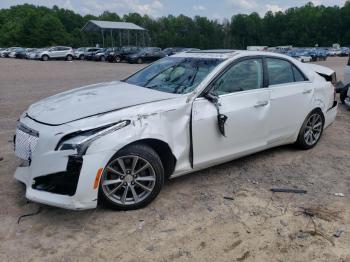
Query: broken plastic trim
[[81, 140], [63, 183]]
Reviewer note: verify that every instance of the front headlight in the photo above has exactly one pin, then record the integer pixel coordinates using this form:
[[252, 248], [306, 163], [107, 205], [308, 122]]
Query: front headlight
[[81, 140]]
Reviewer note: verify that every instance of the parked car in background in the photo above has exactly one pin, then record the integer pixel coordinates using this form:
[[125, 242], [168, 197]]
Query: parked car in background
[[148, 54], [7, 51], [90, 52], [301, 55], [120, 54], [103, 53], [318, 54], [80, 52], [344, 51], [18, 53], [347, 99], [54, 53], [344, 92], [30, 51], [173, 50], [118, 142]]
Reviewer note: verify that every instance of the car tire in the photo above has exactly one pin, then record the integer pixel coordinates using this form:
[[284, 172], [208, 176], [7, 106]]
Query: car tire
[[117, 59], [69, 58], [344, 93], [81, 57], [103, 59], [311, 130], [139, 61], [45, 58], [135, 189]]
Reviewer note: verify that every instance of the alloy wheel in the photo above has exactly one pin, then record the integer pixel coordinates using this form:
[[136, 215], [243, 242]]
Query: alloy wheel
[[313, 129], [128, 180]]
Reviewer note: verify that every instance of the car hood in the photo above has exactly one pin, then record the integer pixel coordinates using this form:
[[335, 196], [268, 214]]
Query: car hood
[[92, 100]]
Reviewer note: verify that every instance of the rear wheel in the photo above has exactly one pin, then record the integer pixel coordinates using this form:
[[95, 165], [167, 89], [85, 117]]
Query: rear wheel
[[81, 57], [69, 57], [132, 178], [139, 61], [311, 130], [45, 58], [102, 59]]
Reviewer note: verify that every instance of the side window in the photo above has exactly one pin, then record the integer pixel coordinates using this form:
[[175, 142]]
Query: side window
[[243, 76], [298, 77], [280, 71]]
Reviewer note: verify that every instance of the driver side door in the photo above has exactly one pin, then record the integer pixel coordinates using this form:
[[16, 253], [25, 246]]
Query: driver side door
[[245, 101]]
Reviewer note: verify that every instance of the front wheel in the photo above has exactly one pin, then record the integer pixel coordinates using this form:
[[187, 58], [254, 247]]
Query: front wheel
[[102, 59], [45, 58], [132, 178], [311, 130], [69, 58], [139, 61]]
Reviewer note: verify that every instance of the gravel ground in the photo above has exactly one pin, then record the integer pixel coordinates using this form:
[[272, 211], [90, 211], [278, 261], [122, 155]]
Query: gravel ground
[[224, 213]]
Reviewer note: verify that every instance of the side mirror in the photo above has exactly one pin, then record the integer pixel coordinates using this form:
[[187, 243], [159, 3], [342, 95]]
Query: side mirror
[[212, 97]]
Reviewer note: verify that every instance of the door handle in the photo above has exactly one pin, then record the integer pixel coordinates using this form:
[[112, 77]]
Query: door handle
[[261, 104], [307, 91]]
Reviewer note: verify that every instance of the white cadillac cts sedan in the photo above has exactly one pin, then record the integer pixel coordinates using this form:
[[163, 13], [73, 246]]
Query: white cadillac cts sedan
[[117, 142]]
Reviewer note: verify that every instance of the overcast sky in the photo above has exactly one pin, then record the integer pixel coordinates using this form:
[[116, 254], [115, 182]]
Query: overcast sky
[[210, 8]]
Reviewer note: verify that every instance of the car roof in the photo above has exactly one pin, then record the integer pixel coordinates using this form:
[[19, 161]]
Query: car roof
[[227, 53]]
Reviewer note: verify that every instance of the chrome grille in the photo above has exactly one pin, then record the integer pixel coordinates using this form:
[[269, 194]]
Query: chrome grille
[[25, 142]]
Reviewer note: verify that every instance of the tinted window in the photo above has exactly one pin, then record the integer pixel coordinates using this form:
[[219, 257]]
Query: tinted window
[[176, 75], [298, 76], [280, 71], [243, 76]]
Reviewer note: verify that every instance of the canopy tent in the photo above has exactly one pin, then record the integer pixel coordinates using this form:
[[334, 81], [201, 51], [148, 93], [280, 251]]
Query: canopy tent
[[117, 32]]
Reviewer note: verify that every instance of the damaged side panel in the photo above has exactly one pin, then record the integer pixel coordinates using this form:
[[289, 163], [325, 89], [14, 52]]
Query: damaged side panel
[[164, 121]]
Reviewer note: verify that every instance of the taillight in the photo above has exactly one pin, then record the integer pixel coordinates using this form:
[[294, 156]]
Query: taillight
[[334, 83]]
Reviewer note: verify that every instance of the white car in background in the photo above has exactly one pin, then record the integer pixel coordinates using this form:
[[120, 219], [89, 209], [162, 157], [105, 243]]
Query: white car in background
[[117, 142], [54, 53], [304, 59]]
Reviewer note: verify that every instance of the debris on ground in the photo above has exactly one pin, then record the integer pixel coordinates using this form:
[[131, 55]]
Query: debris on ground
[[229, 198], [320, 212], [288, 190], [253, 182], [339, 194], [244, 256], [141, 224], [29, 215], [338, 232]]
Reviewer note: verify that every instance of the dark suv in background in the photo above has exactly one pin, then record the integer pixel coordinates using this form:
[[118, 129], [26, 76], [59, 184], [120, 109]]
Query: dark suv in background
[[121, 54], [148, 54]]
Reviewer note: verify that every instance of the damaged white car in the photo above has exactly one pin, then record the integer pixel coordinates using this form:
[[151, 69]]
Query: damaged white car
[[117, 142]]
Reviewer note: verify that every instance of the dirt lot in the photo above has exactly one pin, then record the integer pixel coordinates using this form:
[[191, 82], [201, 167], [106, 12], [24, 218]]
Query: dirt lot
[[225, 213]]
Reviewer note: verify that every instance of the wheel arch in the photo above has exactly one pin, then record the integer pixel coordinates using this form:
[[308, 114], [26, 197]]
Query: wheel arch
[[162, 149]]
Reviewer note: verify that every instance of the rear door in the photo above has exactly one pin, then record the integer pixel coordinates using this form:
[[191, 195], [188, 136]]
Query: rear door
[[245, 102], [291, 94]]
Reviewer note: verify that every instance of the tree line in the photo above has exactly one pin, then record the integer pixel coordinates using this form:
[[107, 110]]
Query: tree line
[[37, 26]]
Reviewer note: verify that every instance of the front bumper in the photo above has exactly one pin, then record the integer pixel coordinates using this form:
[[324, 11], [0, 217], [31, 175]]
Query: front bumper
[[48, 178]]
